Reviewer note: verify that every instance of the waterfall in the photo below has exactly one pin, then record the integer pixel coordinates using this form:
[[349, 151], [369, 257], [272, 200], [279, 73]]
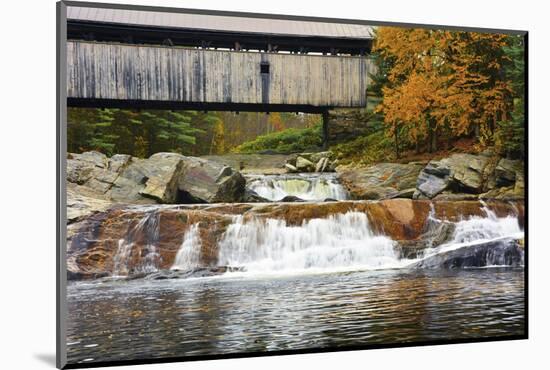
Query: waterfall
[[339, 242], [188, 256], [342, 241], [304, 186], [478, 230], [144, 234]]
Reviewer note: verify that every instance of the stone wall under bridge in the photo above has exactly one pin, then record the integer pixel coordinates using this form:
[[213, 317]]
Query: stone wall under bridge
[[347, 124]]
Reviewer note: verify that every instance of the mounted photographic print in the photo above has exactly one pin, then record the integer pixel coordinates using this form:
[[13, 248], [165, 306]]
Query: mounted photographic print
[[239, 184]]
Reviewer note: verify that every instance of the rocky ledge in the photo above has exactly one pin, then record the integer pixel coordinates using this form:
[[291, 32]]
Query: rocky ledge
[[311, 162], [94, 241], [163, 178], [457, 177]]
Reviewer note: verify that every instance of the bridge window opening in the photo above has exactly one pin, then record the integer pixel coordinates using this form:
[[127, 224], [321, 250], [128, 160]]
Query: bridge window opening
[[264, 68]]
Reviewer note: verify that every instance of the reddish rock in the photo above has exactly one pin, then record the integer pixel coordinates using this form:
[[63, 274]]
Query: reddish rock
[[94, 241]]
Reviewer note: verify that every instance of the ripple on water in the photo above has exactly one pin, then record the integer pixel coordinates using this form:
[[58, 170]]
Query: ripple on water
[[144, 319]]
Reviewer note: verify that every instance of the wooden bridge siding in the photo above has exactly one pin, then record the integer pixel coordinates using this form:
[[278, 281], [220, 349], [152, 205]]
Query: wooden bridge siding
[[127, 72]]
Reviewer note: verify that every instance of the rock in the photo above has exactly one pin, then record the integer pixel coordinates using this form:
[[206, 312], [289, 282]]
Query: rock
[[505, 193], [291, 160], [433, 179], [405, 193], [380, 181], [446, 195], [348, 124], [83, 202], [94, 240], [304, 165], [162, 178], [316, 157], [118, 162], [326, 166], [210, 182], [79, 275], [400, 219], [322, 164], [435, 233], [250, 196], [94, 170], [195, 273], [519, 186], [92, 248], [290, 168], [463, 173], [78, 172], [506, 172], [331, 166], [505, 252], [418, 195], [93, 157], [291, 198], [467, 171]]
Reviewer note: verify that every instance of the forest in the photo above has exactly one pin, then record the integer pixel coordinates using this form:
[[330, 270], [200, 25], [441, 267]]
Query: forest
[[433, 90], [142, 133]]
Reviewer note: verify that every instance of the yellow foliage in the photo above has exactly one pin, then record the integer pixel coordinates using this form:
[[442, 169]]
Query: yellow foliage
[[442, 79]]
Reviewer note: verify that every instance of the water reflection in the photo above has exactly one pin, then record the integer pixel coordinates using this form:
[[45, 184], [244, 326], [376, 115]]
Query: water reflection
[[153, 319]]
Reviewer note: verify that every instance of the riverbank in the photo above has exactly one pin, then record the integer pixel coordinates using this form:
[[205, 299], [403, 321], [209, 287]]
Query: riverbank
[[95, 180]]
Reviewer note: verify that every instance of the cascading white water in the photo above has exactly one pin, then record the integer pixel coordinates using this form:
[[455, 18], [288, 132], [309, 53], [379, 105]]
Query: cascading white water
[[304, 186], [188, 256], [343, 241], [477, 230], [339, 242], [147, 228]]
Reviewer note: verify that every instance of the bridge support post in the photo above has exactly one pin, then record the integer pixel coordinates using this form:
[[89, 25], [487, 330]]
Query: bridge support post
[[325, 129]]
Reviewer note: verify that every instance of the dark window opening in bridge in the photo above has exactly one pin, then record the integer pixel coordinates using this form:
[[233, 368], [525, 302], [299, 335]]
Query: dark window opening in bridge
[[264, 68]]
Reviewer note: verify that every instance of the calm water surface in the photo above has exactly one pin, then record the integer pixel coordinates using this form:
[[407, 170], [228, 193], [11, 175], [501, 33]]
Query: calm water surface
[[125, 320]]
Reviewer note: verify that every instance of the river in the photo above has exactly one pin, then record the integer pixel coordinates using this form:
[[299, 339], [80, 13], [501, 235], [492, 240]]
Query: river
[[141, 319], [325, 282]]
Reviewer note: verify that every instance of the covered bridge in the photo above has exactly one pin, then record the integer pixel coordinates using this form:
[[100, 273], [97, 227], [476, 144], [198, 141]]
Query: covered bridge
[[216, 61]]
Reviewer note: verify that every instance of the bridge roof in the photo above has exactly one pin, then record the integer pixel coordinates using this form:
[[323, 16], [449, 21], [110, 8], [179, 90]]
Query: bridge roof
[[223, 23]]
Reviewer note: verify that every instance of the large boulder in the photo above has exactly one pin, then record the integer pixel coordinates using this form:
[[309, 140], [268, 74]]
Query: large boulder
[[83, 202], [250, 196], [507, 171], [467, 171], [210, 182], [304, 165], [433, 179], [505, 252], [380, 181], [290, 168], [164, 173], [94, 170], [459, 173]]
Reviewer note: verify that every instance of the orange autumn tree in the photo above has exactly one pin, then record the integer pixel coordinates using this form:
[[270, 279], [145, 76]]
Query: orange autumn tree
[[441, 83], [276, 121]]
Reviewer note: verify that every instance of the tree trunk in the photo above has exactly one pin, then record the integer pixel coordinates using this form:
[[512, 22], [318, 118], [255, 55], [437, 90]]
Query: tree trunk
[[396, 136], [476, 131], [433, 144], [432, 136]]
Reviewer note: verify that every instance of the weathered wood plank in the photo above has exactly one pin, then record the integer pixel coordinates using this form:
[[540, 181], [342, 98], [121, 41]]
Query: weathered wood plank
[[157, 73]]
